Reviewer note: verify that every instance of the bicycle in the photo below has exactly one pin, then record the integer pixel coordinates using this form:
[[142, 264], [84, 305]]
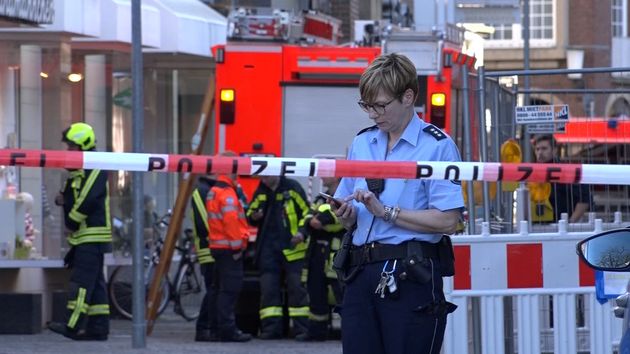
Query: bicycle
[[186, 289]]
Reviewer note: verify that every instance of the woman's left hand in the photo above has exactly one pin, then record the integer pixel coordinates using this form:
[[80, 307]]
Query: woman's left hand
[[371, 202]]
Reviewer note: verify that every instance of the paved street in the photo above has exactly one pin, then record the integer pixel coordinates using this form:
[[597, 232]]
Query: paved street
[[171, 335]]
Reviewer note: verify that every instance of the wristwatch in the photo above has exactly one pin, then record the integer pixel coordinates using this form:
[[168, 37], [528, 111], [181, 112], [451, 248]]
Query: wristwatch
[[388, 213]]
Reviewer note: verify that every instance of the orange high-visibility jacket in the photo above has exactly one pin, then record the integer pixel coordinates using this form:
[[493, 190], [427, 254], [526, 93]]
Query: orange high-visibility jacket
[[226, 218]]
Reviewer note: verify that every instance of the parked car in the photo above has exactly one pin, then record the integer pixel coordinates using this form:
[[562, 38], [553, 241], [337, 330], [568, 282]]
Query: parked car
[[610, 251]]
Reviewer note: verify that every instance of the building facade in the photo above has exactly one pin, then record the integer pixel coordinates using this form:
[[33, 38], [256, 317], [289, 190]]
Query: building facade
[[77, 67], [570, 34]]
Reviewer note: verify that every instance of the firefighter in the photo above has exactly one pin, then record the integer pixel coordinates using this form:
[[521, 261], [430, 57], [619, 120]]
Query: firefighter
[[206, 325], [229, 234], [277, 207], [324, 233], [85, 201], [396, 253]]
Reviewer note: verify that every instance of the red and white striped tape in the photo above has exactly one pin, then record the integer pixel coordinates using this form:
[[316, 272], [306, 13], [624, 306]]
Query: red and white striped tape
[[304, 167]]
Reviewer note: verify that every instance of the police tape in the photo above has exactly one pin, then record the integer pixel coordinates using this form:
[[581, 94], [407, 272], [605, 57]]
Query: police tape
[[305, 167]]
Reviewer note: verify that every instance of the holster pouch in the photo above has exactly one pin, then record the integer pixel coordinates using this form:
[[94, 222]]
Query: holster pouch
[[341, 262], [447, 256], [417, 263], [417, 268], [341, 259]]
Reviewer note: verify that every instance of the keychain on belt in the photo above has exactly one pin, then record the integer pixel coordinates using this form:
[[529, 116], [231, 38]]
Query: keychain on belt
[[387, 281]]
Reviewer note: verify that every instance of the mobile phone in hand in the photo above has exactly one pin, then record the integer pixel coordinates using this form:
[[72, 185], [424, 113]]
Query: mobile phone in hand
[[328, 197]]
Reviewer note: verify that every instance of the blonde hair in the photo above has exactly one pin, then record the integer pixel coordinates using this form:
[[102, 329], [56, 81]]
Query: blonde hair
[[393, 73]]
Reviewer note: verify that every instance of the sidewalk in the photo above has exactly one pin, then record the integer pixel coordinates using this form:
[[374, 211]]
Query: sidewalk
[[170, 335]]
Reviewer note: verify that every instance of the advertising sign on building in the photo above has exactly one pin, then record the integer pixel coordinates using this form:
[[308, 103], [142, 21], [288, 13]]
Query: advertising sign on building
[[488, 11], [542, 114], [31, 11]]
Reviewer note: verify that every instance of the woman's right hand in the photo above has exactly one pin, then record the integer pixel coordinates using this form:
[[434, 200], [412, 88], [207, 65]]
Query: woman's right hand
[[347, 213]]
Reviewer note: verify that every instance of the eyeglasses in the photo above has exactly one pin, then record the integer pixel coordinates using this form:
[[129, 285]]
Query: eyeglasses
[[378, 108]]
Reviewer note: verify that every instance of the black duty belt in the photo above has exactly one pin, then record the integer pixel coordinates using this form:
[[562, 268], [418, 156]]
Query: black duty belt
[[376, 252]]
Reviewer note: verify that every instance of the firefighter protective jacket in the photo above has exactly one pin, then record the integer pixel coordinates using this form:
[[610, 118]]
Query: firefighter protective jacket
[[226, 217], [331, 225], [86, 207], [200, 219], [283, 210], [327, 238]]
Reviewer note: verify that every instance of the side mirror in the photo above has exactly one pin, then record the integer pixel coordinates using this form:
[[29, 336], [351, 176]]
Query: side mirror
[[609, 251]]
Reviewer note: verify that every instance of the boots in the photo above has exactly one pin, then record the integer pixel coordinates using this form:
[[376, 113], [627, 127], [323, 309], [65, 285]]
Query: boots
[[62, 329]]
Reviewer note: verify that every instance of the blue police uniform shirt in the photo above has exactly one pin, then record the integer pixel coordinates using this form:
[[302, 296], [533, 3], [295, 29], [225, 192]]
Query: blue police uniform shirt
[[415, 144]]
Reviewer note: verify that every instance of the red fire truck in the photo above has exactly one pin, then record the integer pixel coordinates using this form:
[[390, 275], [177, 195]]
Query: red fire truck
[[275, 97], [296, 100]]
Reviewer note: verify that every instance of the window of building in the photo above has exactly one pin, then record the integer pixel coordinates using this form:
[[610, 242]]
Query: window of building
[[541, 28], [541, 19], [502, 32], [619, 18]]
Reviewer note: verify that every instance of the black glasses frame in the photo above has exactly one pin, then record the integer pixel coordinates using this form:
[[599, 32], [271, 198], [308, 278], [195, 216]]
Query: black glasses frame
[[378, 108]]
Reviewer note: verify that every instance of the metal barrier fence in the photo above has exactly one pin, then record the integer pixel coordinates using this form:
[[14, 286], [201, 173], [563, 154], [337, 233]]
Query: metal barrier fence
[[534, 295], [489, 120]]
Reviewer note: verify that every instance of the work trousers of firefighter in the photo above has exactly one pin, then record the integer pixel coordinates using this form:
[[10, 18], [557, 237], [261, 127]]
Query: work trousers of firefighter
[[318, 285], [228, 280], [271, 309], [207, 319], [88, 306]]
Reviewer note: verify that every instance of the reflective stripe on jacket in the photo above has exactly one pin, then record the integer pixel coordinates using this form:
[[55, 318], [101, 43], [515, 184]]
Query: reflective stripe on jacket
[[288, 200], [330, 234], [86, 207], [200, 221], [226, 216]]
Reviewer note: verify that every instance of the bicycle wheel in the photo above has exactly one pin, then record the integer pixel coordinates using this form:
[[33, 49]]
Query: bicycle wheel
[[189, 291], [120, 291]]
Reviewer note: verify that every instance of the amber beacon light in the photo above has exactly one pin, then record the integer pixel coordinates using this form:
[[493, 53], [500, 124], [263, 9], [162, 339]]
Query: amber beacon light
[[227, 106], [438, 99]]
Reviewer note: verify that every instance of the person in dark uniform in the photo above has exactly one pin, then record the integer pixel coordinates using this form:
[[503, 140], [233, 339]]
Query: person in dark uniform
[[221, 232], [393, 300], [85, 201], [572, 199], [324, 232], [206, 326], [276, 208], [229, 234]]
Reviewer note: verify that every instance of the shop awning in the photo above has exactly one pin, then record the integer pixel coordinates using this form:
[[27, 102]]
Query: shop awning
[[168, 26], [114, 24], [78, 18], [188, 27], [595, 130], [94, 21]]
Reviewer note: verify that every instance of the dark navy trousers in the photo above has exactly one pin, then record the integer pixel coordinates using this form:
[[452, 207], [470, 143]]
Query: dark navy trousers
[[88, 304], [207, 312], [396, 324]]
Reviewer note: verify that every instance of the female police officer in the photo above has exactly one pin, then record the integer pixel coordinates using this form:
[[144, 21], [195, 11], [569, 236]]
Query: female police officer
[[393, 300]]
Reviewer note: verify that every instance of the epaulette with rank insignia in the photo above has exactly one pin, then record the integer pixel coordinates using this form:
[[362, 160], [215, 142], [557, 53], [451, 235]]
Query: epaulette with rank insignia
[[434, 132], [367, 129]]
